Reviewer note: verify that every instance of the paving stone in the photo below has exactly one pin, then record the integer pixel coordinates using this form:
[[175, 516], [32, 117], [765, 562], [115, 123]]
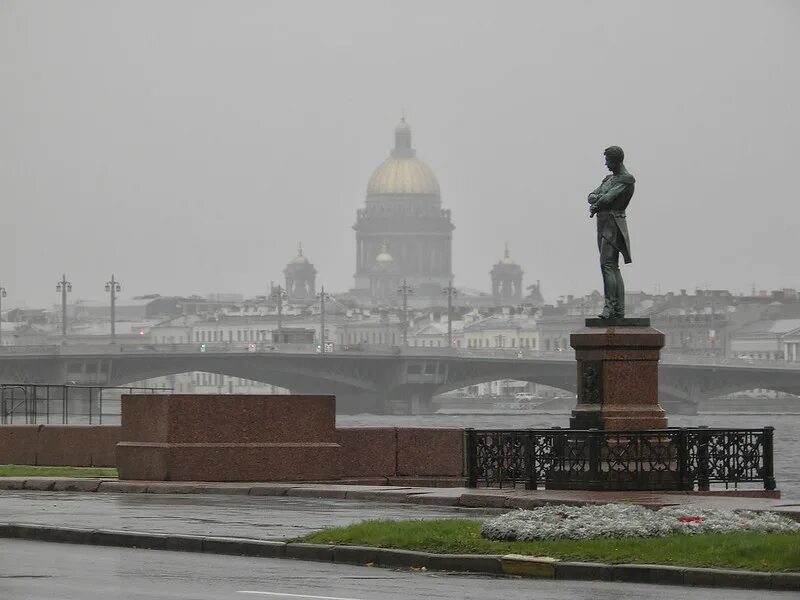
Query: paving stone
[[171, 488], [585, 571], [126, 487], [356, 555], [389, 557], [432, 499], [242, 547], [269, 490], [185, 543], [786, 581], [474, 563], [76, 485], [129, 539], [39, 484], [742, 579], [301, 492], [700, 577], [658, 574], [378, 496], [12, 483], [237, 489], [529, 566], [482, 500], [318, 552]]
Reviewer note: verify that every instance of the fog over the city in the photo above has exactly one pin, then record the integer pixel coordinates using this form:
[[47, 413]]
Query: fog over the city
[[188, 146]]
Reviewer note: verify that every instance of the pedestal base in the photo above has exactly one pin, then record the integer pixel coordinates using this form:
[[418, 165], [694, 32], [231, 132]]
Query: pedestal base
[[228, 438], [618, 377]]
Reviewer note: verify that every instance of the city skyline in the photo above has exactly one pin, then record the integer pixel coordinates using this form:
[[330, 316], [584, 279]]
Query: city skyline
[[195, 162]]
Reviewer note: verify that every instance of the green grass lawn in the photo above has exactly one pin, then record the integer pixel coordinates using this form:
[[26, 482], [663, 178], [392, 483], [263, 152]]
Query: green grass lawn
[[755, 551], [31, 471]]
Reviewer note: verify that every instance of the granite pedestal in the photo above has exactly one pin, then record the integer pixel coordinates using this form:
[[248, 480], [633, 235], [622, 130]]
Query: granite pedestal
[[618, 375], [228, 438]]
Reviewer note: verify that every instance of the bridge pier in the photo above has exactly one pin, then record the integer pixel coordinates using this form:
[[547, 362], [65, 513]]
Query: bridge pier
[[412, 400], [355, 404]]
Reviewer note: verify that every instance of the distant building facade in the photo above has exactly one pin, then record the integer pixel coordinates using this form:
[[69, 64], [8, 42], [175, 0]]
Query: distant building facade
[[300, 277], [403, 219], [506, 281]]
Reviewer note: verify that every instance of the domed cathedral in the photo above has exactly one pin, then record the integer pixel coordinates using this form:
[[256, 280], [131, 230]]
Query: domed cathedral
[[506, 281], [403, 233], [300, 277]]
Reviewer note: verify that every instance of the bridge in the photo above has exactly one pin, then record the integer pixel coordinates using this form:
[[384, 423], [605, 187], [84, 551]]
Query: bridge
[[383, 379]]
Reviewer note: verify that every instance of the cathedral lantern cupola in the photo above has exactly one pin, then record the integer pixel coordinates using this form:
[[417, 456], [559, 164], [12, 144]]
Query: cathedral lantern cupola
[[403, 210], [506, 281], [300, 277]]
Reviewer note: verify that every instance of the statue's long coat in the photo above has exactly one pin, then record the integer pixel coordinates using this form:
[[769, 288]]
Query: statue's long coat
[[615, 194]]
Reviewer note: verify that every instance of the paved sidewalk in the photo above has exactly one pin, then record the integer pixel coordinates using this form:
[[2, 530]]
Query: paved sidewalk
[[432, 496], [263, 518]]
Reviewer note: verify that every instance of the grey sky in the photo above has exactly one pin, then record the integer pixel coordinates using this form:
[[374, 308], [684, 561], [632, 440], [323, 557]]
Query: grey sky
[[188, 146]]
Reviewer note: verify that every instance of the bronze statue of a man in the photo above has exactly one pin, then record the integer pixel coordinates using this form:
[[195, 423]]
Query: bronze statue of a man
[[609, 202]]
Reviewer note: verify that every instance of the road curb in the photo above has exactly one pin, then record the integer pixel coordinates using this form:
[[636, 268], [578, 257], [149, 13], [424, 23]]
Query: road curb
[[512, 564]]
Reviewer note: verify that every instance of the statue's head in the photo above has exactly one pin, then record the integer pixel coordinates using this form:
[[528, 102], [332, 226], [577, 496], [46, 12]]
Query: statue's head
[[614, 157]]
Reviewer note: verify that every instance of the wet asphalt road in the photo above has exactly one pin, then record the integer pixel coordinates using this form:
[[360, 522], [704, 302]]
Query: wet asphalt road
[[259, 517], [39, 571]]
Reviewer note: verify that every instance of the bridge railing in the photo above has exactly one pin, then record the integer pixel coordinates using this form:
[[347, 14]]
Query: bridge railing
[[31, 404], [662, 459]]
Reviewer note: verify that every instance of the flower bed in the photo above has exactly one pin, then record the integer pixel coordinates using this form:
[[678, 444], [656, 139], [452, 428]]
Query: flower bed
[[628, 520]]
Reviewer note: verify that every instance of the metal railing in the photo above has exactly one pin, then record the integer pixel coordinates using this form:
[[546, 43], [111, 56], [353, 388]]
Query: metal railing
[[33, 403], [660, 459]]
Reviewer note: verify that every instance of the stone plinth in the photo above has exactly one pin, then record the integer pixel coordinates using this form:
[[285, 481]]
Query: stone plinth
[[228, 438], [618, 376]]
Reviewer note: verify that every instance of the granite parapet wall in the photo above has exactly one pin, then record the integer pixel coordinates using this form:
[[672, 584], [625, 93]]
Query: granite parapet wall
[[239, 438], [59, 445], [401, 452]]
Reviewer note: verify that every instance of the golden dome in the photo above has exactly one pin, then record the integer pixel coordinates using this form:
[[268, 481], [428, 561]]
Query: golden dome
[[384, 256], [403, 176], [403, 172], [299, 259], [507, 260]]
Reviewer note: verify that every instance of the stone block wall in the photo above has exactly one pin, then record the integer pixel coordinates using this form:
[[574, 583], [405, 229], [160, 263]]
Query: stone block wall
[[238, 438], [59, 445]]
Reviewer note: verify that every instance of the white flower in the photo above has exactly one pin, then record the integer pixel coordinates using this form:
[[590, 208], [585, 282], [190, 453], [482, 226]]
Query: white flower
[[628, 520]]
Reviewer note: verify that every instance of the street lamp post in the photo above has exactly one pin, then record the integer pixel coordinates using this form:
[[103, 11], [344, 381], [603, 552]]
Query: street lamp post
[[404, 290], [450, 291], [112, 287], [278, 294], [2, 295], [64, 287], [322, 297]]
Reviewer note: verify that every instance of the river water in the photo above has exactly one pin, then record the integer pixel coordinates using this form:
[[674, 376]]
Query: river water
[[787, 431]]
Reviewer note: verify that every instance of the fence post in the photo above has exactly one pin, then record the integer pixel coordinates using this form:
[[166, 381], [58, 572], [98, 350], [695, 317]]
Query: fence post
[[469, 457], [530, 461], [65, 404], [702, 460], [684, 482], [769, 466], [594, 459]]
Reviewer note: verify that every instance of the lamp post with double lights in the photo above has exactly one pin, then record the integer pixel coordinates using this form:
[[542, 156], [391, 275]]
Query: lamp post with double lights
[[450, 291], [2, 295], [404, 290], [113, 287], [323, 296], [64, 287], [279, 295]]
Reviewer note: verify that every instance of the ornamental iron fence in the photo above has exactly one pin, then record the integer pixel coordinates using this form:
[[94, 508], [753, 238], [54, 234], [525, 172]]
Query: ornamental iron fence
[[661, 459], [32, 403]]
